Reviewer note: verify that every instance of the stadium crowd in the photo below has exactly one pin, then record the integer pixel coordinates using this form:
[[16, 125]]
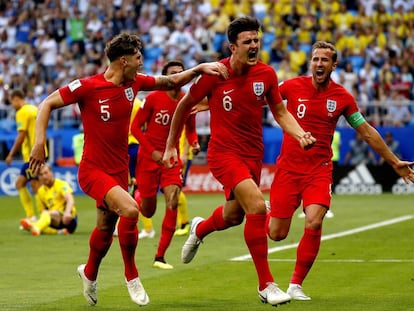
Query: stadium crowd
[[45, 44]]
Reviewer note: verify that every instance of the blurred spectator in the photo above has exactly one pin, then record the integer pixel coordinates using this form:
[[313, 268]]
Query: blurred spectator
[[77, 31], [47, 50], [158, 33], [366, 31], [398, 112], [359, 152], [297, 59], [348, 77], [393, 144], [182, 43]]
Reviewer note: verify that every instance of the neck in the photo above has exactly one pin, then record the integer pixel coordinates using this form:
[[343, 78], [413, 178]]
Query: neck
[[174, 94], [113, 75]]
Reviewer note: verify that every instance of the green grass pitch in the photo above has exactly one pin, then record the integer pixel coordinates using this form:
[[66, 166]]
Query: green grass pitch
[[366, 262]]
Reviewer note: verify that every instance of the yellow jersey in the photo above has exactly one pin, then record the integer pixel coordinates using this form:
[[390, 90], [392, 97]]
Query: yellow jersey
[[26, 121], [53, 198], [135, 108]]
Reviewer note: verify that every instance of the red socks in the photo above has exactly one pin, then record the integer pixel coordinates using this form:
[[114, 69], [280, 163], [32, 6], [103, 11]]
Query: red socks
[[99, 244], [167, 231], [306, 254], [214, 223], [256, 240], [128, 240]]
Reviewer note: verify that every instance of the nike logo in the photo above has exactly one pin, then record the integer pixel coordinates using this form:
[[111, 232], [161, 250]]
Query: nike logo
[[302, 99], [228, 92], [101, 101]]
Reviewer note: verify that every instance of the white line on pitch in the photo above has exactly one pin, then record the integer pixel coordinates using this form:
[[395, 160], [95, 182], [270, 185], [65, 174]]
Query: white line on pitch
[[350, 260], [334, 235]]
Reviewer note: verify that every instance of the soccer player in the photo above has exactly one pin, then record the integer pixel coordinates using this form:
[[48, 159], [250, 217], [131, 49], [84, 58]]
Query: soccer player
[[25, 123], [55, 199], [235, 149], [317, 102], [105, 102], [156, 114]]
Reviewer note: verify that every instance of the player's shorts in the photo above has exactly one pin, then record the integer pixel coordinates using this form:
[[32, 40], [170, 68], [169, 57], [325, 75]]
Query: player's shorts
[[133, 152], [26, 172], [152, 176], [290, 188], [230, 170], [96, 183], [71, 227]]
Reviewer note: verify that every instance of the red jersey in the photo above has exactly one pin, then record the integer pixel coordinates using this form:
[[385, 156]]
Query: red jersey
[[318, 113], [105, 110], [236, 108], [156, 113]]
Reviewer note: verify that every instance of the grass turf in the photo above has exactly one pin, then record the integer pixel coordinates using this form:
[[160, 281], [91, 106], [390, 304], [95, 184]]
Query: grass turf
[[367, 270]]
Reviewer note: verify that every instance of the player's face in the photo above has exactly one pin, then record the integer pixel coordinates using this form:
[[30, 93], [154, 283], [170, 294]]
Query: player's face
[[45, 176], [132, 64], [173, 70], [321, 66], [246, 49]]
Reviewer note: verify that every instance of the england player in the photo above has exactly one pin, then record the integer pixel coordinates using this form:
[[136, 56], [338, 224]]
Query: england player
[[235, 149], [155, 115], [316, 102], [105, 102]]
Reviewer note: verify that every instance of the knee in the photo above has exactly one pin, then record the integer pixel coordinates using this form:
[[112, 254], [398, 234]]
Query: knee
[[131, 212], [233, 220], [276, 235]]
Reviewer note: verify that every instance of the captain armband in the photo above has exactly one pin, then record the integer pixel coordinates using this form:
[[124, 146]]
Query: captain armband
[[355, 119]]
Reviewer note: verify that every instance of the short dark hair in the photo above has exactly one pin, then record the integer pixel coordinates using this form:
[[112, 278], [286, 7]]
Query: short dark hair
[[17, 93], [326, 45], [122, 44], [171, 63], [245, 23]]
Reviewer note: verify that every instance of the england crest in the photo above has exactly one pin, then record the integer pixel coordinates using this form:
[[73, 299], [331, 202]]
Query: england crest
[[331, 105], [129, 93], [258, 88]]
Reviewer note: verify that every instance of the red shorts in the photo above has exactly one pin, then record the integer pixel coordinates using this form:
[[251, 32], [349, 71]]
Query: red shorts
[[96, 183], [151, 176], [229, 170], [290, 188]]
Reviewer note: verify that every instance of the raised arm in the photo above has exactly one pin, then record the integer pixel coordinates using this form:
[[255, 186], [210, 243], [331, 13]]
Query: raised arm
[[374, 139], [37, 156], [179, 79]]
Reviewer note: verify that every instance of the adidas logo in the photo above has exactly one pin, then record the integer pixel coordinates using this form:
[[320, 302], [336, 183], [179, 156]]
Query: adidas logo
[[358, 181], [400, 187]]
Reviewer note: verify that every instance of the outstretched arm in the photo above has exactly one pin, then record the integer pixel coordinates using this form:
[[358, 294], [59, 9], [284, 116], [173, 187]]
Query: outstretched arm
[[374, 139], [179, 79]]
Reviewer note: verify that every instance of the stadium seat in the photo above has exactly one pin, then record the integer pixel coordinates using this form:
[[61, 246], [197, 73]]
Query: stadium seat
[[307, 48], [357, 62], [152, 53], [267, 40], [218, 41]]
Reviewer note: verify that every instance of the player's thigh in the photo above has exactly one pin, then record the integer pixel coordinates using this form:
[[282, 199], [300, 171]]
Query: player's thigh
[[230, 170], [249, 196], [285, 194], [97, 183], [317, 188], [148, 177]]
